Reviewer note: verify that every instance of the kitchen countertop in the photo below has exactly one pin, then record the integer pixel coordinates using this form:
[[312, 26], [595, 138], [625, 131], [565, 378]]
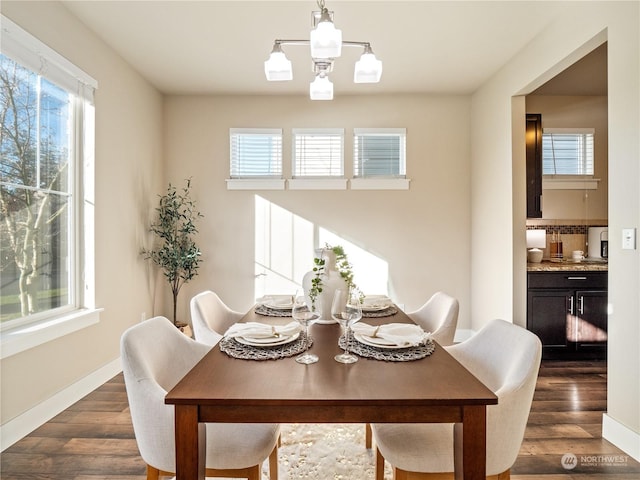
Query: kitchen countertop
[[568, 266]]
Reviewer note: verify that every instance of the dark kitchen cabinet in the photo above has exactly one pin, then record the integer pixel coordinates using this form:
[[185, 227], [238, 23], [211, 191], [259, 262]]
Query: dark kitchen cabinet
[[568, 312], [533, 142]]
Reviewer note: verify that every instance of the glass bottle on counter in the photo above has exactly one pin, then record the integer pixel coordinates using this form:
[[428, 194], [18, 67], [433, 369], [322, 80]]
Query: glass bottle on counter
[[556, 246]]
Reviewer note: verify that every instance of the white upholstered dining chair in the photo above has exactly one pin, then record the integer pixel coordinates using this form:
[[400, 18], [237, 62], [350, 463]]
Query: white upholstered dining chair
[[506, 358], [155, 356], [439, 316], [210, 317]]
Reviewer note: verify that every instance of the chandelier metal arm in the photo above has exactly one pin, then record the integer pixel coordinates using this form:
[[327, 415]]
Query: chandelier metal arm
[[307, 42]]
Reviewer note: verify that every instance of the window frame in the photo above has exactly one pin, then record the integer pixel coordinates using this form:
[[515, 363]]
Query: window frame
[[22, 333], [317, 182], [381, 182], [547, 132], [255, 182], [400, 133]]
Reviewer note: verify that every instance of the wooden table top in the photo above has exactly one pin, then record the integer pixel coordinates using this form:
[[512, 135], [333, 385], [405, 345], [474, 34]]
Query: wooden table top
[[282, 390]]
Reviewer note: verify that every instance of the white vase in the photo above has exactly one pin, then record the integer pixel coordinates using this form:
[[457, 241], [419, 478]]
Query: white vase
[[331, 281]]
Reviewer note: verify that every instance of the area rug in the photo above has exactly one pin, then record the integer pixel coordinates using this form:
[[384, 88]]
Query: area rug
[[325, 452]]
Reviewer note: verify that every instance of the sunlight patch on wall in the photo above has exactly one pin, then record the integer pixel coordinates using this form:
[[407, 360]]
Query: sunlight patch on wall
[[284, 246], [370, 272]]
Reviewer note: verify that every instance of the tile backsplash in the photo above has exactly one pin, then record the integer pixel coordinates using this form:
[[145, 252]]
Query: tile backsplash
[[573, 235]]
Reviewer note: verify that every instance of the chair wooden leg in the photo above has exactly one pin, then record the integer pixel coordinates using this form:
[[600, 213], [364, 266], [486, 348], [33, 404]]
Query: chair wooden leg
[[367, 435], [152, 473], [254, 473], [379, 465], [273, 464]]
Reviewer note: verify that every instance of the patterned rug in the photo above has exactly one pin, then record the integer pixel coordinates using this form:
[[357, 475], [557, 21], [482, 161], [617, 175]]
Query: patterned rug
[[325, 452]]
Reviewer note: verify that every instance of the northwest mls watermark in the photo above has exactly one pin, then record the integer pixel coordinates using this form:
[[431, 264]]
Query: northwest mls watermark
[[569, 461]]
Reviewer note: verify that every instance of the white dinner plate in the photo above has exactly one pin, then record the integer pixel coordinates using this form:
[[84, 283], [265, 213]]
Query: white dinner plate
[[375, 307], [278, 306], [376, 341], [267, 342]]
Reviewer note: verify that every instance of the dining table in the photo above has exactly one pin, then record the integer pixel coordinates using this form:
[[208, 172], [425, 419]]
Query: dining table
[[432, 389]]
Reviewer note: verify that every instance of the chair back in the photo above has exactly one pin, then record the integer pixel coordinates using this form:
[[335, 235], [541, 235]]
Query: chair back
[[155, 356], [506, 358], [439, 315], [210, 317]]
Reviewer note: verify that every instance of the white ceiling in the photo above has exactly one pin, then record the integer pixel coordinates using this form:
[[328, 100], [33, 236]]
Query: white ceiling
[[193, 47]]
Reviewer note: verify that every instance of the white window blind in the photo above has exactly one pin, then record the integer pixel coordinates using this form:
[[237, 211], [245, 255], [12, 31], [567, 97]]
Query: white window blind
[[567, 152], [255, 153], [318, 152], [379, 152]]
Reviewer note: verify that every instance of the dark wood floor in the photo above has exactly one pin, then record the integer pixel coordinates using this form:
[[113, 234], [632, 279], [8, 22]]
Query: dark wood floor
[[93, 439]]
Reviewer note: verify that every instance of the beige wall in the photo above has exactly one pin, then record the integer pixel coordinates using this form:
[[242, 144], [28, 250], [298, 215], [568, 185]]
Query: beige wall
[[458, 212], [423, 233], [128, 178], [576, 112], [498, 214]]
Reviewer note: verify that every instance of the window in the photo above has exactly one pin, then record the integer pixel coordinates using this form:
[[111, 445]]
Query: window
[[318, 153], [46, 182], [567, 152], [379, 153], [256, 153]]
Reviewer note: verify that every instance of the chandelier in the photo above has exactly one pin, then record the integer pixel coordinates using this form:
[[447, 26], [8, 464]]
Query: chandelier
[[326, 45]]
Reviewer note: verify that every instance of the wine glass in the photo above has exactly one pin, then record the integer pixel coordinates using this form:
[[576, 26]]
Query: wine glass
[[346, 310], [305, 316]]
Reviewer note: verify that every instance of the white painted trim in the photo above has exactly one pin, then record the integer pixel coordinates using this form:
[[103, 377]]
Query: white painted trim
[[621, 436], [255, 184], [31, 335], [371, 183], [573, 184], [27, 422]]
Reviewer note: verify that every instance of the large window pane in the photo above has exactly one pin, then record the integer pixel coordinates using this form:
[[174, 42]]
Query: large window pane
[[35, 197]]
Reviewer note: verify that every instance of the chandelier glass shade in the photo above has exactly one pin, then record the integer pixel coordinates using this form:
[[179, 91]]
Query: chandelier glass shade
[[368, 68], [325, 40], [278, 67], [321, 88], [325, 44]]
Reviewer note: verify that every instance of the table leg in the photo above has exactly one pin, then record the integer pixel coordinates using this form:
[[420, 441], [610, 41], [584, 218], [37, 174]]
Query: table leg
[[190, 443], [470, 444]]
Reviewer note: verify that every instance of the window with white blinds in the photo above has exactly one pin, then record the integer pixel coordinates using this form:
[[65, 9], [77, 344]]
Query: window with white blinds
[[256, 152], [318, 152], [567, 151], [379, 153]]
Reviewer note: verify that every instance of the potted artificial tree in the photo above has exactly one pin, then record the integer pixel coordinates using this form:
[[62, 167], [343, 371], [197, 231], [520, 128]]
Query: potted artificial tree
[[176, 252]]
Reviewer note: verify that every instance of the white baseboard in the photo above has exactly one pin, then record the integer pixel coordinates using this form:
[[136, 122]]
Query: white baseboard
[[27, 422], [621, 436]]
